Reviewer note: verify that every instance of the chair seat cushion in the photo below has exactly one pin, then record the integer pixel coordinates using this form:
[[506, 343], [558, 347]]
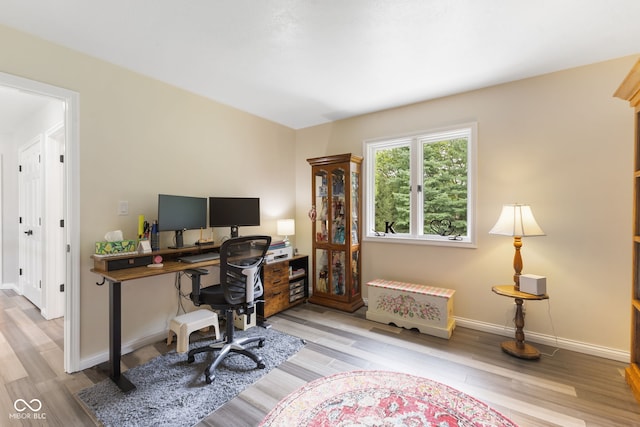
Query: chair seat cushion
[[213, 296]]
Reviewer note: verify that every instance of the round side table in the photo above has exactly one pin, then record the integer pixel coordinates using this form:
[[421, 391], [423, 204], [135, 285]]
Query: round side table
[[518, 347]]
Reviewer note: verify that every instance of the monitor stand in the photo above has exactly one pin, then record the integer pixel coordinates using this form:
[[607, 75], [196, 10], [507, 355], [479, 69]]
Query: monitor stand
[[179, 240]]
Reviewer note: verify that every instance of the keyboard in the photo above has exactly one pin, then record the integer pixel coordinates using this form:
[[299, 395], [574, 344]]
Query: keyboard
[[191, 259]]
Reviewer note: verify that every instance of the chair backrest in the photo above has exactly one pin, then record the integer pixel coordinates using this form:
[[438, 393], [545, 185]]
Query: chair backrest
[[241, 259]]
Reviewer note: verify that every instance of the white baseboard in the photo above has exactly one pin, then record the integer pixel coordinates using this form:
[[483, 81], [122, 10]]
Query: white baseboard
[[127, 347], [580, 347], [11, 286]]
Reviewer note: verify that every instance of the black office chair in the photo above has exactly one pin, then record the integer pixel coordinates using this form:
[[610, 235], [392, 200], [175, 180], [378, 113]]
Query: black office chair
[[241, 259]]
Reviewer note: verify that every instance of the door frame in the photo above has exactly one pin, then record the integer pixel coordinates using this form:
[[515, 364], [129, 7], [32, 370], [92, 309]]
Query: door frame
[[71, 208]]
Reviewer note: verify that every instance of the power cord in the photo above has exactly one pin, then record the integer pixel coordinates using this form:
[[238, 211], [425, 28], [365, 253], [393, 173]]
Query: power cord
[[178, 286], [553, 329]]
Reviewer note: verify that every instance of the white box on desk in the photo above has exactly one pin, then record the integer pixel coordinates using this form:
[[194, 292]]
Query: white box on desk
[[533, 284]]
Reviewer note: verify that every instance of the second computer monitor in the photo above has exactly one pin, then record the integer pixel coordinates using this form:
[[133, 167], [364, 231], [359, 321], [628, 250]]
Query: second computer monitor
[[234, 212]]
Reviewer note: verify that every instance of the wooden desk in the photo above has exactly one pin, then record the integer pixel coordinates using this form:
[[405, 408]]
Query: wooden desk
[[115, 279], [519, 348]]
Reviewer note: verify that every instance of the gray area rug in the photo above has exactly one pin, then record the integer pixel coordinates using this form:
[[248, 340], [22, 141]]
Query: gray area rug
[[171, 392]]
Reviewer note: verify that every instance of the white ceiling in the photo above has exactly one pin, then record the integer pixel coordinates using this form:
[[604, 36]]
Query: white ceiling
[[302, 63], [16, 106]]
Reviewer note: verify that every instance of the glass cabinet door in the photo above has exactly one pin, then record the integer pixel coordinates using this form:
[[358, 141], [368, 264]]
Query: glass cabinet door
[[355, 207], [330, 272], [355, 272], [322, 271], [337, 206], [321, 206], [338, 278]]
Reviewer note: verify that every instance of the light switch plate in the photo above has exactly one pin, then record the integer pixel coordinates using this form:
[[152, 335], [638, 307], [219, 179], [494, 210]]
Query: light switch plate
[[123, 207]]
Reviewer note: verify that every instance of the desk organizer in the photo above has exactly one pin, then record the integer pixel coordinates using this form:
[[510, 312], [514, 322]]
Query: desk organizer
[[409, 305]]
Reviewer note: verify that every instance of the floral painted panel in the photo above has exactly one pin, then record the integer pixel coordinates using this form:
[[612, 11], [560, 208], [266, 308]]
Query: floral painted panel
[[406, 306]]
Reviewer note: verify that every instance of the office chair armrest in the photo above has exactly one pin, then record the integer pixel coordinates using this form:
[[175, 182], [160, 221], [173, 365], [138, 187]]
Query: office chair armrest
[[195, 274], [250, 281]]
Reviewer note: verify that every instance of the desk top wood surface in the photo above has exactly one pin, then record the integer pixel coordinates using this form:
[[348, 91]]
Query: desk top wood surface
[[510, 291], [170, 264], [142, 272]]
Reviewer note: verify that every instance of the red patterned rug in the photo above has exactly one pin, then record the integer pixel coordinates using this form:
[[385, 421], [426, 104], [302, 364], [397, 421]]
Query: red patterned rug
[[381, 398]]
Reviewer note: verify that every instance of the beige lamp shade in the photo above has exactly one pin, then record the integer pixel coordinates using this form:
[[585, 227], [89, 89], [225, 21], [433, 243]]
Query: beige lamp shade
[[286, 227], [517, 220]]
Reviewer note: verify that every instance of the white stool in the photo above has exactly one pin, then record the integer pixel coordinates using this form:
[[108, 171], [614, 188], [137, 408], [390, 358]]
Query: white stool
[[184, 324]]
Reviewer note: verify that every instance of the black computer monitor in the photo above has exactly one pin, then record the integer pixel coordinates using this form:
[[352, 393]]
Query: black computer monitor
[[234, 212], [180, 213]]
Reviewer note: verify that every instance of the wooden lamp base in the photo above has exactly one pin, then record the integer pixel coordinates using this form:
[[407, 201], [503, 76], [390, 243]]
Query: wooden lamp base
[[525, 351]]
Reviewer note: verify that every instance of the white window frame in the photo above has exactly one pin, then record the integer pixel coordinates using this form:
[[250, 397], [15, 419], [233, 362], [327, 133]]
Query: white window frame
[[415, 141]]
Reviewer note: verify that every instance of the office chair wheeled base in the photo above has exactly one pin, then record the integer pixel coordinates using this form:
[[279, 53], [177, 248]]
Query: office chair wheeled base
[[227, 347]]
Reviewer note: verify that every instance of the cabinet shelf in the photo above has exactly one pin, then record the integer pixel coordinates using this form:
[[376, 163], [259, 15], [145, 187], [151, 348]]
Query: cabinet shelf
[[282, 290], [629, 90]]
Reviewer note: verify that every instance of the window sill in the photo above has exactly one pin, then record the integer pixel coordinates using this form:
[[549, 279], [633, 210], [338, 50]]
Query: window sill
[[430, 241]]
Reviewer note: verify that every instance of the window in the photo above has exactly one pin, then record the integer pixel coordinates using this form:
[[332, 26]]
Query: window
[[420, 188]]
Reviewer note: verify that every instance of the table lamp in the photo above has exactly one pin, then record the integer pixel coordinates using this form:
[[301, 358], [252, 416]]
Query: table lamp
[[517, 220], [286, 228]]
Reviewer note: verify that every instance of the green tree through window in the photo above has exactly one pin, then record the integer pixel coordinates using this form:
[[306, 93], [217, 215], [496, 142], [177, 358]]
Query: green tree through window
[[440, 206], [445, 184], [392, 188]]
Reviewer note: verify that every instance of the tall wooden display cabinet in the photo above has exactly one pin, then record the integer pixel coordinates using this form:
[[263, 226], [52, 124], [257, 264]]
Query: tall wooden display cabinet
[[630, 90], [336, 198]]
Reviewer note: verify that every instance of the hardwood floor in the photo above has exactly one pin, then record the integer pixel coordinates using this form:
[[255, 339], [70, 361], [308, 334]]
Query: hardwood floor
[[566, 389], [31, 367]]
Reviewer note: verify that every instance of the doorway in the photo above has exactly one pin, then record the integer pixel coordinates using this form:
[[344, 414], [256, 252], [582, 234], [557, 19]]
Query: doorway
[[61, 240]]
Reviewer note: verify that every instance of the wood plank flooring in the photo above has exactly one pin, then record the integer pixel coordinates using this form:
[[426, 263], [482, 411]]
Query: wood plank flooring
[[566, 389]]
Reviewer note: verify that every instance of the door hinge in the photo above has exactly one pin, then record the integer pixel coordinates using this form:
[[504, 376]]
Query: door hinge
[[19, 272], [62, 287], [68, 248], [61, 158], [40, 284], [19, 168], [62, 223], [19, 220]]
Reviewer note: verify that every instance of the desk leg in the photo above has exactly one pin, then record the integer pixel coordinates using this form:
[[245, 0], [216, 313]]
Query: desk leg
[[519, 348], [115, 337]]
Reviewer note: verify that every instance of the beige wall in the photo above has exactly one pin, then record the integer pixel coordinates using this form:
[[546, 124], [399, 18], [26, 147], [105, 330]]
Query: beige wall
[[138, 138], [559, 142]]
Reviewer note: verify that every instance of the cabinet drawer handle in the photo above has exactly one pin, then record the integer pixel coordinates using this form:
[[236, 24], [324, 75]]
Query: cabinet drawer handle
[[275, 282], [277, 293]]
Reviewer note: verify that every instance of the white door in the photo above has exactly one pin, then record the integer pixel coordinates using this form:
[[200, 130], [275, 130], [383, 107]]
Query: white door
[[53, 244], [30, 210]]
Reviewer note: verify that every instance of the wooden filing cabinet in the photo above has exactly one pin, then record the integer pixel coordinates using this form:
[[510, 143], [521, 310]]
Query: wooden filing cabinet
[[286, 284]]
